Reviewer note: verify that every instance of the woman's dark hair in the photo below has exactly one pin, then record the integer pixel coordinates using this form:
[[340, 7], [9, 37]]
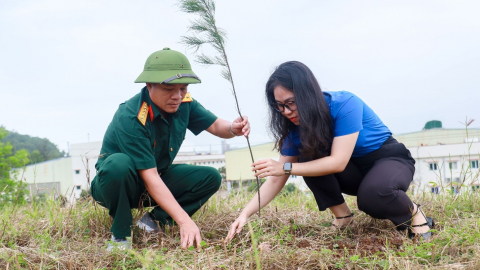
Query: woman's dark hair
[[313, 111]]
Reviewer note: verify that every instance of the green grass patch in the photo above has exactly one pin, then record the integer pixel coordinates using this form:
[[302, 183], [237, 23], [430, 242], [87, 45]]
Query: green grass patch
[[292, 234]]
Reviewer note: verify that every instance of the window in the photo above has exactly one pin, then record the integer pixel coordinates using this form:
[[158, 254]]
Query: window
[[433, 167], [452, 165], [77, 171], [78, 187], [474, 164], [457, 179], [448, 180]]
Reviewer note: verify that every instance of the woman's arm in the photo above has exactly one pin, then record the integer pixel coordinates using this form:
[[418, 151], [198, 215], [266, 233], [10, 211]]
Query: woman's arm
[[342, 149], [268, 191]]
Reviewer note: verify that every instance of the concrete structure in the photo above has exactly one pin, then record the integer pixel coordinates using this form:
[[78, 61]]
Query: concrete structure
[[212, 160], [438, 136], [66, 176], [238, 163], [84, 157], [444, 157], [49, 177], [446, 165]]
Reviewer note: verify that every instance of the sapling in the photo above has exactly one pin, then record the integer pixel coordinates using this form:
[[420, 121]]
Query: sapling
[[205, 31]]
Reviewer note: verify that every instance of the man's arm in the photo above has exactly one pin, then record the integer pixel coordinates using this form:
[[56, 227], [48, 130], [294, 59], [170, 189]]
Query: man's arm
[[221, 128], [164, 198]]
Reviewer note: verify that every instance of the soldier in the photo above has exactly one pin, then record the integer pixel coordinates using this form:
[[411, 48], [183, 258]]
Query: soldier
[[135, 166]]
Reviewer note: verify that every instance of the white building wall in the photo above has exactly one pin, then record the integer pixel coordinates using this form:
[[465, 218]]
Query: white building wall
[[216, 160], [84, 157], [46, 177], [433, 164]]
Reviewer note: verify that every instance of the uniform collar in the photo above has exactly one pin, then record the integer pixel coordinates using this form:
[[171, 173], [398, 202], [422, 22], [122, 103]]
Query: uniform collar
[[152, 107]]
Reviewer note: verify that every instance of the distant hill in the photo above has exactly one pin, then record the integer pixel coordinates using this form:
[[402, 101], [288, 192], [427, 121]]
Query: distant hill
[[40, 149]]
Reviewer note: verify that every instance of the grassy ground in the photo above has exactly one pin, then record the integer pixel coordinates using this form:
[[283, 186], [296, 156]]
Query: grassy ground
[[292, 234]]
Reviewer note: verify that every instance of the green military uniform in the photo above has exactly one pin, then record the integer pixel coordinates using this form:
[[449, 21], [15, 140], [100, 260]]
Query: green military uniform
[[140, 137]]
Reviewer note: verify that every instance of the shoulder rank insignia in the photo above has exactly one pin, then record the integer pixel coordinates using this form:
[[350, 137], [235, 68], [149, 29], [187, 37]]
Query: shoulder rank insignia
[[143, 113], [188, 98]]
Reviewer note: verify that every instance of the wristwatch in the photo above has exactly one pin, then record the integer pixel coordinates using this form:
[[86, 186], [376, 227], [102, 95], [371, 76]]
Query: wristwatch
[[287, 167]]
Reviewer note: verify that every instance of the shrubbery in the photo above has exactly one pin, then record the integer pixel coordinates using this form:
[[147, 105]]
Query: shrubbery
[[11, 190]]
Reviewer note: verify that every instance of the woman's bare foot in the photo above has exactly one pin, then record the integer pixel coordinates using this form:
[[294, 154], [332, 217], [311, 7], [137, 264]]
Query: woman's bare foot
[[339, 211], [418, 219], [342, 223]]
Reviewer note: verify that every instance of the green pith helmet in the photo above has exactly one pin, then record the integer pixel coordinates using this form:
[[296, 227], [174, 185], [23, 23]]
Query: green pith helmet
[[167, 66]]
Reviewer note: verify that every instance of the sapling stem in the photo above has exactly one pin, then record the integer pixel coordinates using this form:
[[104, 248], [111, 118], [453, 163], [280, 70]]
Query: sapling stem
[[206, 32]]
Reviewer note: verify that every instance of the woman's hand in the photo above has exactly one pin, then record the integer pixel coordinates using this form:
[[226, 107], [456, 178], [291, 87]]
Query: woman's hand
[[241, 127], [236, 227], [268, 167]]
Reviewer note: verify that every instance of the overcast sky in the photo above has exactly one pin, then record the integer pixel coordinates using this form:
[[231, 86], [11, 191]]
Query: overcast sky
[[65, 66]]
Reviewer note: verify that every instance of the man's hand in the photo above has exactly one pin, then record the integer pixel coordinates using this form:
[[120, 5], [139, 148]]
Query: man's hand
[[268, 167], [240, 127], [189, 233], [221, 128], [236, 227]]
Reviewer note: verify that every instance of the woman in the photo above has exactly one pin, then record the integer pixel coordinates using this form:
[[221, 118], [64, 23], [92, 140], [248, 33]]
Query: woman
[[339, 145]]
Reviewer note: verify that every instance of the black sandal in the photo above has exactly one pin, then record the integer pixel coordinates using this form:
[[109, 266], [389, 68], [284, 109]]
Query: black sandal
[[430, 223], [343, 225]]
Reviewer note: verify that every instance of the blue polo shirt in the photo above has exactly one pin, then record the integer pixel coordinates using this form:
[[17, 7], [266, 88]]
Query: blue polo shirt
[[349, 115]]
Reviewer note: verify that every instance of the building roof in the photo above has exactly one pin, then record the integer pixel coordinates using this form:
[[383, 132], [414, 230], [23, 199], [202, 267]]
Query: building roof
[[438, 136], [253, 146]]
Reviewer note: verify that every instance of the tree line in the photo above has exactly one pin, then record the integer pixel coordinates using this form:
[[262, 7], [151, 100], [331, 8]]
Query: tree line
[[39, 149], [17, 151]]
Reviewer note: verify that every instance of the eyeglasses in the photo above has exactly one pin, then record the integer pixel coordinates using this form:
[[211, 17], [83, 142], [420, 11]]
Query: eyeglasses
[[279, 107]]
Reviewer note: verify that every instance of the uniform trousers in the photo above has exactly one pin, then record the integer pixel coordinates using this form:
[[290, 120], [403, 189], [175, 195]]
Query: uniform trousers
[[379, 179], [118, 187]]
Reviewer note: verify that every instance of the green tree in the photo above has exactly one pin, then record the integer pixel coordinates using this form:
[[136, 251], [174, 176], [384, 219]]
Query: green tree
[[223, 172], [36, 157], [11, 189], [40, 149]]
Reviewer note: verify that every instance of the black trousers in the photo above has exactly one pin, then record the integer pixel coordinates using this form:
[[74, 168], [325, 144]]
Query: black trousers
[[378, 179]]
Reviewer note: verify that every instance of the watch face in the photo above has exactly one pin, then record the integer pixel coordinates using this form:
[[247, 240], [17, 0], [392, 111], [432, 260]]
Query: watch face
[[287, 166]]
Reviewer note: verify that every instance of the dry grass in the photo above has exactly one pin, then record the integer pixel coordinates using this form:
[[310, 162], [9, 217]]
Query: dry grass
[[292, 234]]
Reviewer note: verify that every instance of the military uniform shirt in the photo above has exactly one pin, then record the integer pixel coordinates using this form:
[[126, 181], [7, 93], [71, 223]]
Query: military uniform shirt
[[139, 130]]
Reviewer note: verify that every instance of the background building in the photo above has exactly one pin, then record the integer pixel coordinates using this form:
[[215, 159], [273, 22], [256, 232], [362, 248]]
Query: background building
[[434, 134], [49, 177], [444, 157], [201, 159], [238, 163]]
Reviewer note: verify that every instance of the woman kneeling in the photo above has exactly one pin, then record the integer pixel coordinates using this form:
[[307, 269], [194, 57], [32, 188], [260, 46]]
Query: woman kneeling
[[339, 145]]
